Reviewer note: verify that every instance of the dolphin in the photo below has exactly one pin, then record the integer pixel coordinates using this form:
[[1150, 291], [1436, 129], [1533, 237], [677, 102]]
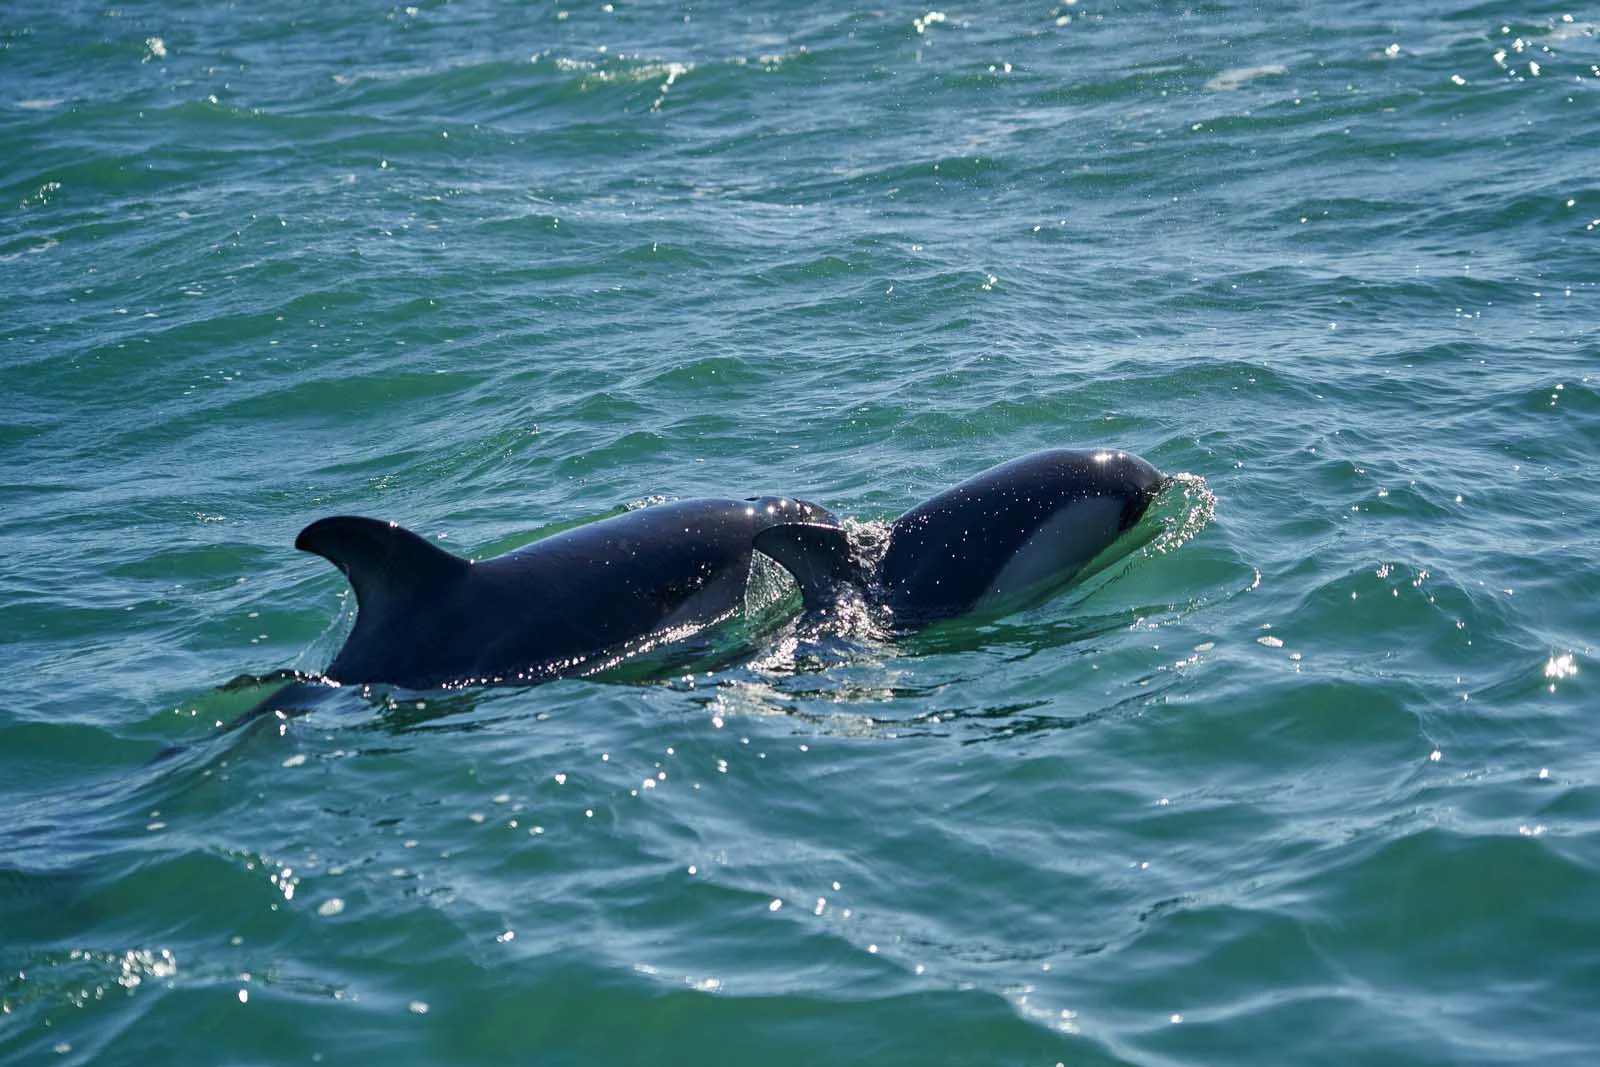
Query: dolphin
[[571, 604], [999, 541]]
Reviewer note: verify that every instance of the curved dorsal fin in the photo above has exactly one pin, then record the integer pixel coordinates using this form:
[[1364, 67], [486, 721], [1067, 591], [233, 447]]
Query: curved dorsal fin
[[817, 555], [386, 563]]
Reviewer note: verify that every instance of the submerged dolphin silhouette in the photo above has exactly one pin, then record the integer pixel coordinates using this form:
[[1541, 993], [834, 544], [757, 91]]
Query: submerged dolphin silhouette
[[566, 605], [1001, 540]]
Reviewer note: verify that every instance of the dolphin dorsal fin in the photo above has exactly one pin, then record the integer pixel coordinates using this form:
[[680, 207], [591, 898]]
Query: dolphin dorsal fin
[[386, 563], [819, 557]]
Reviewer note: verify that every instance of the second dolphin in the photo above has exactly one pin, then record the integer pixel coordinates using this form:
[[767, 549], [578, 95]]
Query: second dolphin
[[999, 541]]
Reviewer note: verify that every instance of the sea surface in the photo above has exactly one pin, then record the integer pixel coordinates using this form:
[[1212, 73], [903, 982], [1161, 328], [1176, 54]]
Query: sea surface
[[1312, 776]]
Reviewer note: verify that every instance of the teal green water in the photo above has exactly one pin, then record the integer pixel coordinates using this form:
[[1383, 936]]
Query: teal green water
[[1311, 778]]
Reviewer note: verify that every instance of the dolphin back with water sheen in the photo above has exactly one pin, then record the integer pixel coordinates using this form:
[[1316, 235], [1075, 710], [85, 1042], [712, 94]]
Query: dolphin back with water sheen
[[1014, 533], [563, 605]]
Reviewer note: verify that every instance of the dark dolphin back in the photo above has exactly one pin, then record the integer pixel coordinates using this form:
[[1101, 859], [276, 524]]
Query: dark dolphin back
[[565, 605], [946, 553]]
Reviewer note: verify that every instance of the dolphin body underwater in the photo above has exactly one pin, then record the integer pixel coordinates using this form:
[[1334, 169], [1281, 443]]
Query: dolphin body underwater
[[570, 604], [1002, 540], [582, 600]]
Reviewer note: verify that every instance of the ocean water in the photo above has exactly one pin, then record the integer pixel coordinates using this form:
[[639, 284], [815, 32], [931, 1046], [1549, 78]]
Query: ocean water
[[1311, 777]]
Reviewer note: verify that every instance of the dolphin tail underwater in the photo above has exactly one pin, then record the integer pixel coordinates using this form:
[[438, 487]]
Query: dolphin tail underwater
[[1013, 535], [820, 559]]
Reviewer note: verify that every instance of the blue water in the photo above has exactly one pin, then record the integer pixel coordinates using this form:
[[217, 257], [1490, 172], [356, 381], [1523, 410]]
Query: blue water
[[1311, 777]]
